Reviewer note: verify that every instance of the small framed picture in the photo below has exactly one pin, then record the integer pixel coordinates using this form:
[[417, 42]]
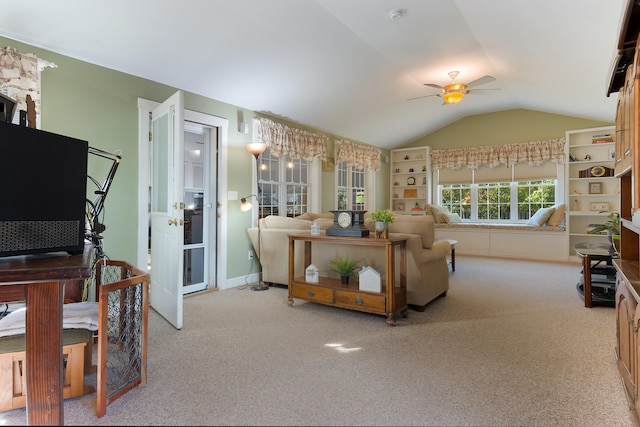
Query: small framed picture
[[595, 188], [599, 206], [399, 206]]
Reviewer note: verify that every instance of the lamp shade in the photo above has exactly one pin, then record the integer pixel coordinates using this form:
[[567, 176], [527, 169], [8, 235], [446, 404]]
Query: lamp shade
[[245, 205], [453, 97], [256, 148]]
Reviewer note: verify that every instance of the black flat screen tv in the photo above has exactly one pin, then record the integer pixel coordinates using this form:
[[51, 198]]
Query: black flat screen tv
[[43, 184]]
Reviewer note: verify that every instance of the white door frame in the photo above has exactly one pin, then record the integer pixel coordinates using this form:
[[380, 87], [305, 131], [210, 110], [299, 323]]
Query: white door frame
[[220, 254]]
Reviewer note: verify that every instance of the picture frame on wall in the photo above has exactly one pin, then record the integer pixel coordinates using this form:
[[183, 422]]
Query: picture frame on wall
[[595, 187]]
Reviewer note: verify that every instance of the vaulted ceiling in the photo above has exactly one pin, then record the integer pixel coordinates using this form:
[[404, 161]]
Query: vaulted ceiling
[[345, 66]]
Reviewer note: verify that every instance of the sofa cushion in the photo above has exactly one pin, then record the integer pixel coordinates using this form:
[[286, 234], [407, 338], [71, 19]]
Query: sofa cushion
[[275, 221], [557, 217], [310, 216], [541, 216], [415, 224]]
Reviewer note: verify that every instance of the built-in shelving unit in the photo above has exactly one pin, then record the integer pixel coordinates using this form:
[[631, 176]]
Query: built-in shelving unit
[[593, 192], [410, 180]]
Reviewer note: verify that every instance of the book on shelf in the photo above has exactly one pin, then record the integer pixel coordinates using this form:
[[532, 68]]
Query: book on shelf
[[602, 138]]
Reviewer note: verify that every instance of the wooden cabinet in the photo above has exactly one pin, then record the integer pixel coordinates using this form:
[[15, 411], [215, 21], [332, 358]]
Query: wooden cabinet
[[390, 301], [627, 168], [592, 190], [410, 180]]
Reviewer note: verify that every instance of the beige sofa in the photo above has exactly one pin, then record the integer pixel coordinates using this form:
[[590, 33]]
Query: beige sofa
[[427, 269]]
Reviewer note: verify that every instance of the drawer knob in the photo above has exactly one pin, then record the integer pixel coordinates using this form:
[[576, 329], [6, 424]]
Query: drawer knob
[[311, 293], [359, 301]]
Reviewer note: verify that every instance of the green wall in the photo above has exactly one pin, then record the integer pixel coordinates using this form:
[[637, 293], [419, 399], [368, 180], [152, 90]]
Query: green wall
[[504, 127], [89, 102]]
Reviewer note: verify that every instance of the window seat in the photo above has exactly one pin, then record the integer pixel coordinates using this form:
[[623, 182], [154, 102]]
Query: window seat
[[501, 226], [518, 241]]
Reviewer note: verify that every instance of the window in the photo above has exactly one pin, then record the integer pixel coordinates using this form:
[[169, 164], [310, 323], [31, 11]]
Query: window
[[498, 201], [351, 187], [283, 185]]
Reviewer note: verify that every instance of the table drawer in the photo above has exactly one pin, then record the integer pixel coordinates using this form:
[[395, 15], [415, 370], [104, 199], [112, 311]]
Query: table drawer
[[312, 293], [361, 300]]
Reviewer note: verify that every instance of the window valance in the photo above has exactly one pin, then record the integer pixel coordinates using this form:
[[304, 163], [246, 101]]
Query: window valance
[[533, 153], [357, 155], [19, 77], [297, 143]]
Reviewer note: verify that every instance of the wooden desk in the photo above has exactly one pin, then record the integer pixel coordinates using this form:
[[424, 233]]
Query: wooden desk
[[39, 281], [391, 300]]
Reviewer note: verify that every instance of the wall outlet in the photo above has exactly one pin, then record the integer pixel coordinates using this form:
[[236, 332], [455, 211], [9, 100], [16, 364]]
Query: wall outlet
[[250, 255]]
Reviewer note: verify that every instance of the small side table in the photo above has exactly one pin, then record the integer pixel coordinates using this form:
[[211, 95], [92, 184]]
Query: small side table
[[452, 242], [598, 252]]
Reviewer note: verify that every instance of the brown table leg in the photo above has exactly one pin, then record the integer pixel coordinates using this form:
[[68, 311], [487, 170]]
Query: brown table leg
[[586, 275], [43, 330], [453, 258]]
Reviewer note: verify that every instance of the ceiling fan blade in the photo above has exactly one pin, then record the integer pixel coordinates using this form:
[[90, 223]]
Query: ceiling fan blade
[[435, 85], [424, 96], [481, 81]]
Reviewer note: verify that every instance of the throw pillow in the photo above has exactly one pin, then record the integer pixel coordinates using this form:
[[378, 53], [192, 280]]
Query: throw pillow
[[557, 217], [440, 213], [452, 218], [542, 216]]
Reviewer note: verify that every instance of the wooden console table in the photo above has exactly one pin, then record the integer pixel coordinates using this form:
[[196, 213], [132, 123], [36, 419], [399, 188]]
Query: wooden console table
[[39, 281], [391, 300]]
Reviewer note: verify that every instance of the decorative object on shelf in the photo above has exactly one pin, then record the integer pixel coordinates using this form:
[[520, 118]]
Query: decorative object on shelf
[[399, 206], [411, 181], [424, 168], [612, 153], [348, 223], [416, 207], [424, 180], [572, 157], [315, 228], [255, 148], [576, 205], [382, 217], [311, 274], [599, 206], [369, 280], [410, 170], [595, 172], [406, 157], [587, 157], [396, 183], [345, 267], [410, 193], [595, 188]]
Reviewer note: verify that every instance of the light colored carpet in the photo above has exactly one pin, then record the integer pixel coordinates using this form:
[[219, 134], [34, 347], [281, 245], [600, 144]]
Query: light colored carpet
[[510, 345]]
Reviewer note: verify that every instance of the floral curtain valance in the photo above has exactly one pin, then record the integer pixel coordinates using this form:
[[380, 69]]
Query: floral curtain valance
[[358, 155], [297, 143], [533, 153], [20, 75]]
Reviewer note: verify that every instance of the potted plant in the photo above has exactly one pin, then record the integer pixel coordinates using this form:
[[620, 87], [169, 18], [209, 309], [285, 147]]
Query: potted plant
[[382, 217], [345, 267], [612, 228]]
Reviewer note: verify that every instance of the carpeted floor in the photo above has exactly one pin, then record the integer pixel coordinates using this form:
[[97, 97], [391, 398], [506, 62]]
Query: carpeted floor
[[510, 345]]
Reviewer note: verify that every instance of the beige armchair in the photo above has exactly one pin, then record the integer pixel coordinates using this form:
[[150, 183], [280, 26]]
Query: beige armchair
[[427, 269]]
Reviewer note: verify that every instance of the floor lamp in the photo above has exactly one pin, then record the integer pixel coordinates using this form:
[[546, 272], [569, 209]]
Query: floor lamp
[[256, 148]]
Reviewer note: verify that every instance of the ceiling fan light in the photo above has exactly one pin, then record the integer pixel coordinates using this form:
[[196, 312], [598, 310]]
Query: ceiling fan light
[[452, 97]]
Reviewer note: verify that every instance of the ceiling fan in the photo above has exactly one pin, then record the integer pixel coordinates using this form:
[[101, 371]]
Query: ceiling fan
[[454, 92]]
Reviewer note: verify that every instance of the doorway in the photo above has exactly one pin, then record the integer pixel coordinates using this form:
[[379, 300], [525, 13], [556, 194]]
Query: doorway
[[199, 140]]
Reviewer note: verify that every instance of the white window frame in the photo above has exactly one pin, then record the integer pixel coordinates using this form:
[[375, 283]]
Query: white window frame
[[369, 186]]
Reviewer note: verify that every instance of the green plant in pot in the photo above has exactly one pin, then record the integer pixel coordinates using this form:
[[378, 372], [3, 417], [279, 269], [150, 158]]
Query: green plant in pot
[[611, 227], [382, 217], [345, 267]]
